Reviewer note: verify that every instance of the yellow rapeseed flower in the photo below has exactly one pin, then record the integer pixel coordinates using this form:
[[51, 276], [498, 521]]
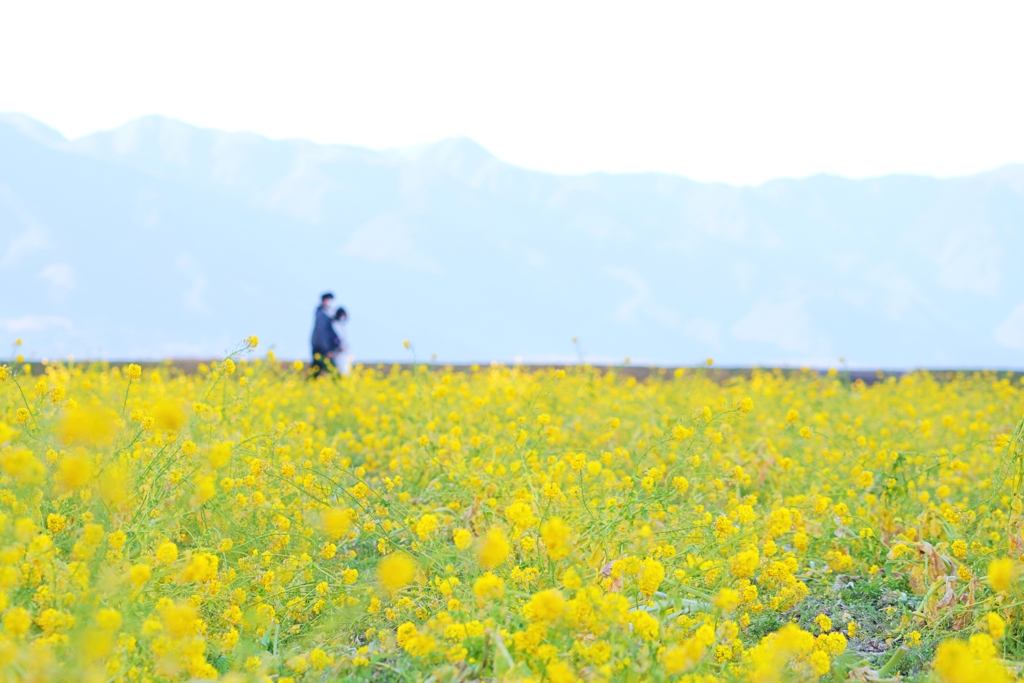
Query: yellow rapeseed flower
[[556, 534], [87, 427], [1001, 573], [283, 510], [16, 622], [167, 552], [169, 415], [74, 471], [494, 549], [337, 522], [462, 538], [545, 606], [396, 571]]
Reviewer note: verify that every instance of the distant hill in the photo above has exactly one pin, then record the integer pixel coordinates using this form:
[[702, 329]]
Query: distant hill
[[162, 239]]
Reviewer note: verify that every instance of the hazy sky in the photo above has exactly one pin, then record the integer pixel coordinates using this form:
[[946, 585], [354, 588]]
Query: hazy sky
[[732, 91]]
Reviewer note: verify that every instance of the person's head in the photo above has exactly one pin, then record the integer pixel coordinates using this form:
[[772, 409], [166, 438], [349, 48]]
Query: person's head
[[325, 299], [340, 315]]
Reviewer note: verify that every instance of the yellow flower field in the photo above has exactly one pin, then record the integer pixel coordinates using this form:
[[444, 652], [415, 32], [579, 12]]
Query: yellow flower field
[[247, 524]]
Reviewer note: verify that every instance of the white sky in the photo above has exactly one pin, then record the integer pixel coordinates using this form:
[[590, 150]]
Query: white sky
[[714, 90]]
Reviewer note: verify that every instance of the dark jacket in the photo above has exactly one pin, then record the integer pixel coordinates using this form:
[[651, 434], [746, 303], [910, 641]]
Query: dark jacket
[[324, 338]]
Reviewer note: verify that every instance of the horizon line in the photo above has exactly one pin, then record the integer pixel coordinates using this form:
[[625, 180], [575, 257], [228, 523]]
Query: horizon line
[[189, 365]]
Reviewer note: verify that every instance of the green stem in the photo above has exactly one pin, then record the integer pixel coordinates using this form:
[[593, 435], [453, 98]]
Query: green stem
[[127, 390], [894, 661]]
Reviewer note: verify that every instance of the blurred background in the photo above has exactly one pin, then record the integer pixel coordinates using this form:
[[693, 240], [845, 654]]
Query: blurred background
[[762, 183]]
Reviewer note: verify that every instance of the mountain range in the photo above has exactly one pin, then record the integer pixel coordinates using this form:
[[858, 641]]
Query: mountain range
[[160, 239]]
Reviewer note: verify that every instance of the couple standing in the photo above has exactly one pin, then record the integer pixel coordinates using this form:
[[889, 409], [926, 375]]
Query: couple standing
[[327, 343]]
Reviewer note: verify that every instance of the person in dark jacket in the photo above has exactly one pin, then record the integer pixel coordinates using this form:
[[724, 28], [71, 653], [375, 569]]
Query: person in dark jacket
[[325, 341]]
